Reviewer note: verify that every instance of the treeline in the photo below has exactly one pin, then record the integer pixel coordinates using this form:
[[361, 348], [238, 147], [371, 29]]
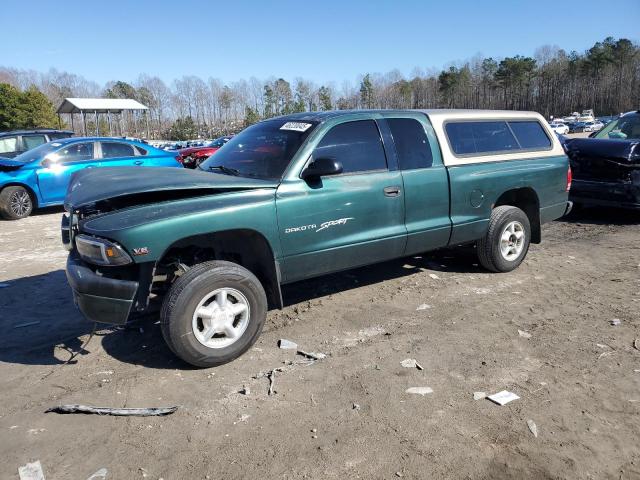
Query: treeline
[[553, 82]]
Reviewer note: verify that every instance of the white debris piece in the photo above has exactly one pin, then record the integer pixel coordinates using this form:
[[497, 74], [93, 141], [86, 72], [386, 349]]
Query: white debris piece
[[411, 363], [533, 427], [479, 395], [524, 334], [99, 475], [419, 390], [434, 276], [423, 306], [615, 322], [31, 471], [287, 344], [503, 397]]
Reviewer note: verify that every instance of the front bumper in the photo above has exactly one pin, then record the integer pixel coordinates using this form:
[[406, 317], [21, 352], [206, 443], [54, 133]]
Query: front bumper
[[100, 299]]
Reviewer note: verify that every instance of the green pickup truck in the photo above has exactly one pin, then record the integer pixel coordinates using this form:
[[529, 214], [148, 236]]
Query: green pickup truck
[[301, 196]]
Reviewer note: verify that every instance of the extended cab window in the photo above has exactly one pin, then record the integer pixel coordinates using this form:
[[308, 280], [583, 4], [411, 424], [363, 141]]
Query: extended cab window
[[356, 145], [530, 134], [412, 145], [468, 138], [117, 150]]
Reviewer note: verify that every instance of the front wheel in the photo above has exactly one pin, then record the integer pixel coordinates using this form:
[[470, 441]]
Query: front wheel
[[506, 242], [15, 203], [213, 313]]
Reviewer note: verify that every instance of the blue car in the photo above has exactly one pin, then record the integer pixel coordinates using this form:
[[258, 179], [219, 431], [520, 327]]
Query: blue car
[[39, 177]]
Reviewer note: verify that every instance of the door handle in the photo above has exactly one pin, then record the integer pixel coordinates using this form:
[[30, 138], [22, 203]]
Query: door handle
[[391, 191], [138, 162]]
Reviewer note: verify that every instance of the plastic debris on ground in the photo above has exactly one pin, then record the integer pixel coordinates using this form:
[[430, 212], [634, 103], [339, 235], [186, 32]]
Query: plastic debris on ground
[[119, 412], [419, 390], [524, 334], [31, 471], [615, 322], [312, 355], [411, 363], [434, 276], [479, 395], [99, 475], [423, 306], [533, 427], [503, 397], [287, 344]]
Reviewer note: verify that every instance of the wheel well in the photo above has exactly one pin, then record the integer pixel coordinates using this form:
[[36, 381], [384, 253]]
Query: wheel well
[[244, 247], [526, 200], [32, 194]]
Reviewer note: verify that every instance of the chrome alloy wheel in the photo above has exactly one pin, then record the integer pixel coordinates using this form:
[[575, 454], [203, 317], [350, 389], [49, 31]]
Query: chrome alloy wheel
[[221, 318], [512, 241], [20, 203]]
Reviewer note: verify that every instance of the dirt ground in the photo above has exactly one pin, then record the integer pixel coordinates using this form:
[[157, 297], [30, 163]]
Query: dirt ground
[[347, 416]]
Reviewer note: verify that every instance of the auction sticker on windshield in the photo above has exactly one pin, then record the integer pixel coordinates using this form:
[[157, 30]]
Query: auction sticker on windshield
[[296, 126]]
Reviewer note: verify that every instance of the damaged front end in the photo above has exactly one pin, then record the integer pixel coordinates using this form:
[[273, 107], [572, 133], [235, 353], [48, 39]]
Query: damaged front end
[[605, 172]]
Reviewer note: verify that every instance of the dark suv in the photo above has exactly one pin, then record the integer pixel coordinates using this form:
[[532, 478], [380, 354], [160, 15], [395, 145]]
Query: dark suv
[[15, 142]]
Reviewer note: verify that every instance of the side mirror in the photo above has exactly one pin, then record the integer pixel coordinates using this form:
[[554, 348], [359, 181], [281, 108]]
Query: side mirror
[[321, 167]]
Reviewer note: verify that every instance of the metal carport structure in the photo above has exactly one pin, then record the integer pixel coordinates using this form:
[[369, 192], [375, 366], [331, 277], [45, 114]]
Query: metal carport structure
[[101, 106]]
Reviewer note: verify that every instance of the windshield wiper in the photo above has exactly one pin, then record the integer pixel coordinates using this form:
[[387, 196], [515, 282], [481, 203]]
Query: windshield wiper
[[227, 170]]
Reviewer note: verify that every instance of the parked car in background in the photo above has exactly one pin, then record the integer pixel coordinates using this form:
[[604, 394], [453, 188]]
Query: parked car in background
[[597, 125], [193, 156], [15, 142], [301, 196], [588, 127], [576, 127], [559, 128], [606, 166], [39, 177]]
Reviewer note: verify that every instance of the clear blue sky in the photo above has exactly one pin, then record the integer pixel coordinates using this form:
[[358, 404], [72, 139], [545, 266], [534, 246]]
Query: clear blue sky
[[319, 40]]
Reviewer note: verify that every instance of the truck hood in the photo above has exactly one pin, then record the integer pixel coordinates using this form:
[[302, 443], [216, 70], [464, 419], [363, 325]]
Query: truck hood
[[621, 151], [129, 186]]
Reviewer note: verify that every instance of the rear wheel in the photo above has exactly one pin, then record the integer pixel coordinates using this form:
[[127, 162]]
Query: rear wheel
[[15, 203], [213, 313], [506, 242]]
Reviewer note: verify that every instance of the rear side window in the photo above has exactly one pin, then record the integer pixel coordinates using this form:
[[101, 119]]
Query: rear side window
[[117, 150], [412, 145], [480, 137], [8, 144], [357, 145], [33, 141], [141, 151], [530, 134]]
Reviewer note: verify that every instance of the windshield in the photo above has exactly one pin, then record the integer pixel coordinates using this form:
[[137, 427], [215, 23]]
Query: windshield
[[624, 128], [38, 153], [263, 150]]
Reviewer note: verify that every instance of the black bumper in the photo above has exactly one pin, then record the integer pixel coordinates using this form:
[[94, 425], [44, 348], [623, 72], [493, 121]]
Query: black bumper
[[100, 299], [607, 194]]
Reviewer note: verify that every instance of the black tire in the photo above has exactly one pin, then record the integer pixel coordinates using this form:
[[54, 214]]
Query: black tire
[[489, 246], [184, 296], [15, 203]]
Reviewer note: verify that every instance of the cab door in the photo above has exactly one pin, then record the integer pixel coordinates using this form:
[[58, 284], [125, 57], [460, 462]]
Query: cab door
[[347, 220], [56, 169], [425, 180]]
